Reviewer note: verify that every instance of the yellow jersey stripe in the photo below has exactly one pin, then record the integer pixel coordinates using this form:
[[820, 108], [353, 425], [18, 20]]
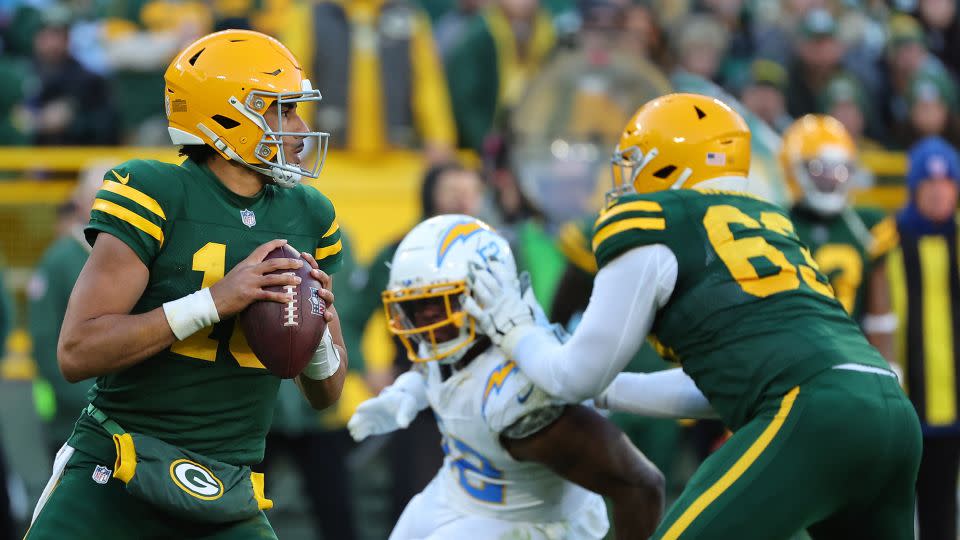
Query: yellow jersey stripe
[[632, 206], [736, 471], [885, 237], [134, 195], [938, 372], [334, 227], [649, 223], [898, 302], [324, 252], [130, 217]]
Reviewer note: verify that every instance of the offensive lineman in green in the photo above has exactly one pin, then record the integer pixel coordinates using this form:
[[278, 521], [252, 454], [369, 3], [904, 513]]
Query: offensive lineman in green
[[177, 252], [824, 438], [848, 243]]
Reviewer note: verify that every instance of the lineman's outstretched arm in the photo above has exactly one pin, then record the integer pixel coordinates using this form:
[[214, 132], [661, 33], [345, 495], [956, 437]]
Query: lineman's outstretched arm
[[586, 449], [395, 407], [101, 336], [626, 296], [670, 393]]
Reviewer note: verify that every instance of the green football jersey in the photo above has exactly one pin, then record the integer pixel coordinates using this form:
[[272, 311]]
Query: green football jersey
[[208, 393], [846, 247], [750, 316]]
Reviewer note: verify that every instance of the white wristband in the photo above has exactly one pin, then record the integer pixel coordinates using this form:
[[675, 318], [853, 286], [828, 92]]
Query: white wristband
[[880, 324], [189, 314], [325, 362]]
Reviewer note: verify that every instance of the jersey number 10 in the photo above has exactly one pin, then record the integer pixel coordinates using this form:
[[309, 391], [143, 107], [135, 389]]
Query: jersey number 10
[[211, 260], [742, 255]]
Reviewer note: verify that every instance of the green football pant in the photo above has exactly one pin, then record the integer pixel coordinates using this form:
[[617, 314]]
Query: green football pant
[[837, 455], [81, 508]]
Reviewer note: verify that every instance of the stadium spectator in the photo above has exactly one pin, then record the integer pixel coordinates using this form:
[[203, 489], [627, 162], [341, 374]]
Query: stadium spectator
[[941, 23], [414, 453], [932, 102], [923, 274], [12, 114], [449, 28], [382, 80], [699, 45], [906, 57], [488, 70], [69, 104], [763, 90], [47, 295], [139, 39], [845, 99], [818, 58]]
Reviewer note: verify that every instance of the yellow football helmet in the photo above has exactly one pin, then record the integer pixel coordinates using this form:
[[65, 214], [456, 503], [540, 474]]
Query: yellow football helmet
[[819, 162], [219, 88], [677, 141]]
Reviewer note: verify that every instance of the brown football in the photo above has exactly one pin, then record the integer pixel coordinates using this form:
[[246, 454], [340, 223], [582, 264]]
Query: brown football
[[285, 336]]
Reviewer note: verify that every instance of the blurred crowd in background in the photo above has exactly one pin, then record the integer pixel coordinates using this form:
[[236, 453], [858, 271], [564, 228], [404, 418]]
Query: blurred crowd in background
[[511, 107]]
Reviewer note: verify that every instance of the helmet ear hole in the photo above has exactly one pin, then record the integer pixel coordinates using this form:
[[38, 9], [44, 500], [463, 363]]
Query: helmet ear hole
[[665, 172], [225, 121], [700, 114]]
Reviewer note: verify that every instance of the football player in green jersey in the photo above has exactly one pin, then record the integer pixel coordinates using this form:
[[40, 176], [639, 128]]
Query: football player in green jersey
[[823, 437], [818, 158], [181, 405]]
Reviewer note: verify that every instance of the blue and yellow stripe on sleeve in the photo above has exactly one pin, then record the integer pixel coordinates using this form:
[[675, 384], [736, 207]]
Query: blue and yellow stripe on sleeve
[[632, 222], [129, 213], [329, 252]]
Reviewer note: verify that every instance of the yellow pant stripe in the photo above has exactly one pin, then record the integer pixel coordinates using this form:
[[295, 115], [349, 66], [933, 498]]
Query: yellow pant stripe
[[134, 195], [325, 252], [938, 336], [132, 218], [632, 206], [648, 223], [735, 472]]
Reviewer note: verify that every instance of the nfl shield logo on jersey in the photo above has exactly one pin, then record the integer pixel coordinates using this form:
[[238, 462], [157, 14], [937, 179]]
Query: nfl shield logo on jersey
[[101, 474], [248, 218]]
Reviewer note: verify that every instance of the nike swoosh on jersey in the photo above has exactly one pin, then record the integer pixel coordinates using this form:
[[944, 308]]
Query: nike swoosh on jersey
[[121, 179], [524, 397]]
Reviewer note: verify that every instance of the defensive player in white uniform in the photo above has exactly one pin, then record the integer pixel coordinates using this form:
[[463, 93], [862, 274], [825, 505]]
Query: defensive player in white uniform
[[519, 464]]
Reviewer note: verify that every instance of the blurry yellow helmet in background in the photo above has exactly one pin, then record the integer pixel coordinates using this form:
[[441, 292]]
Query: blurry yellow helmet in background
[[678, 141], [218, 90], [818, 158]]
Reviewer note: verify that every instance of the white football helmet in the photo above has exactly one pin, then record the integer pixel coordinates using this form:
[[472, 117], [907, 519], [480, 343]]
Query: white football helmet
[[428, 278]]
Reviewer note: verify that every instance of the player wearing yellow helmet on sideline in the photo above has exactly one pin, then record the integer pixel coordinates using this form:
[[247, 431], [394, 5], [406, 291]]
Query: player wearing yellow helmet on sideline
[[720, 281], [182, 405], [819, 164]]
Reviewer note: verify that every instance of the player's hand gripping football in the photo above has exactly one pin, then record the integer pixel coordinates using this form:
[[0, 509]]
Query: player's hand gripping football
[[246, 282], [390, 411], [496, 303]]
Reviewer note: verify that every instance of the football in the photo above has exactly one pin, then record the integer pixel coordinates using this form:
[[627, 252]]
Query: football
[[285, 336]]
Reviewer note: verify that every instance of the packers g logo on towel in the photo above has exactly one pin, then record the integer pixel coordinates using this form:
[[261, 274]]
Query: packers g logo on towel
[[196, 480]]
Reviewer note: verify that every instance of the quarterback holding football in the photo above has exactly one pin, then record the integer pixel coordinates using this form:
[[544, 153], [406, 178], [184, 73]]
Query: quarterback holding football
[[181, 404]]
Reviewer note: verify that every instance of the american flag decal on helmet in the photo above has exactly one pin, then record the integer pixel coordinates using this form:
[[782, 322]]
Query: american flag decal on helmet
[[716, 158]]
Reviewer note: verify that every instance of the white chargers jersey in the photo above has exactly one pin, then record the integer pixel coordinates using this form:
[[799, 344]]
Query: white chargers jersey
[[479, 477]]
